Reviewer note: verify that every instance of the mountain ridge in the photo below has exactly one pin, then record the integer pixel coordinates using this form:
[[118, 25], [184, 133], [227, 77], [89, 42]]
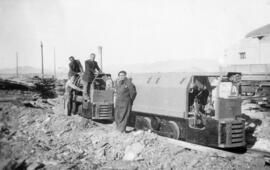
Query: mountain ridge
[[187, 65]]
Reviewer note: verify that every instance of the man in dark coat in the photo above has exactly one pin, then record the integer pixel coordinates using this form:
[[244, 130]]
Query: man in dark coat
[[125, 95], [198, 93], [75, 67], [90, 67]]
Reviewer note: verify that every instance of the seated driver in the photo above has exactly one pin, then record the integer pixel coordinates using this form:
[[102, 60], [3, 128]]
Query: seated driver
[[199, 95]]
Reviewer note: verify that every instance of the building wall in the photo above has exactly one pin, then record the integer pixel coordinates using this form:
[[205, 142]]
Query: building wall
[[248, 51], [265, 49]]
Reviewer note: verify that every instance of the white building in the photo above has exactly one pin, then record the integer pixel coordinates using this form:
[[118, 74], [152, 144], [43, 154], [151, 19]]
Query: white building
[[251, 55]]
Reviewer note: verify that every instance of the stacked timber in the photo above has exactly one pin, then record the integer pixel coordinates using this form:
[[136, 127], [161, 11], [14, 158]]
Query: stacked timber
[[6, 84], [44, 86]]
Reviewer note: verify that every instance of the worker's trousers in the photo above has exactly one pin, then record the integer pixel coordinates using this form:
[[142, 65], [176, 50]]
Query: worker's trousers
[[86, 89]]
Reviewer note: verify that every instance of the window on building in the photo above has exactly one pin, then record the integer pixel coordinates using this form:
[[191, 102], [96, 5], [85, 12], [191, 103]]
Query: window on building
[[242, 55]]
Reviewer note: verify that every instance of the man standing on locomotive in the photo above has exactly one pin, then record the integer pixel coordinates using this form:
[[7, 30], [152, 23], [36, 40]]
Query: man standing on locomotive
[[75, 67], [90, 67], [125, 95]]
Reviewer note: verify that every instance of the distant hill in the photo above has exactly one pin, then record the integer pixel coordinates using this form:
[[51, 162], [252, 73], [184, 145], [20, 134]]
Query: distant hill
[[32, 71], [23, 70], [187, 65]]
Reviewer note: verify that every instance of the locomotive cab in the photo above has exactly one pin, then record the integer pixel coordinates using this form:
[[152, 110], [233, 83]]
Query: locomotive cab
[[197, 108], [101, 98], [99, 106]]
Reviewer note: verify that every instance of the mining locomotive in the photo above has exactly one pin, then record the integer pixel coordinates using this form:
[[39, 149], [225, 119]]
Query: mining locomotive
[[167, 104], [99, 105]]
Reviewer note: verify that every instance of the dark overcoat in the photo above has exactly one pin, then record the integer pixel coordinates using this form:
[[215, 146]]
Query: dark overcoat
[[74, 68], [90, 68], [125, 95]]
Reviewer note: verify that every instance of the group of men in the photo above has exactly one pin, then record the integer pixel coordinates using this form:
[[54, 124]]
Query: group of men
[[75, 69], [125, 90]]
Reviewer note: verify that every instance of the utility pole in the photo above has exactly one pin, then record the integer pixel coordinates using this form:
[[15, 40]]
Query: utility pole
[[42, 69], [54, 63], [100, 55], [17, 64]]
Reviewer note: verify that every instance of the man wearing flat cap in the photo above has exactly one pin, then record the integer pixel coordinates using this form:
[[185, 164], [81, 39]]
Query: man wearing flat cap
[[125, 95]]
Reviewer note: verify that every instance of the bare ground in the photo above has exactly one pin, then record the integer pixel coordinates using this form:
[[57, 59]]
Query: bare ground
[[43, 137]]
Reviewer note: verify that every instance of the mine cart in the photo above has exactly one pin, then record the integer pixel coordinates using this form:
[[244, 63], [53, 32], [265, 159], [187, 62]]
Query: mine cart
[[194, 107], [262, 94], [99, 104], [256, 89]]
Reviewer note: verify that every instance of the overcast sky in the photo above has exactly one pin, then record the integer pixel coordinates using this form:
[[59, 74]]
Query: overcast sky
[[130, 31]]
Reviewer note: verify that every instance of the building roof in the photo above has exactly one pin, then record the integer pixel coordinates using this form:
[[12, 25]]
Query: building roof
[[259, 32]]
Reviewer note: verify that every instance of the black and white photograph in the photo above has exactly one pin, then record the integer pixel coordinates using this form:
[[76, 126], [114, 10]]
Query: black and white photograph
[[134, 85]]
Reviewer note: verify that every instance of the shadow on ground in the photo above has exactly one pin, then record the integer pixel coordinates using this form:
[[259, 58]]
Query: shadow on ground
[[251, 125]]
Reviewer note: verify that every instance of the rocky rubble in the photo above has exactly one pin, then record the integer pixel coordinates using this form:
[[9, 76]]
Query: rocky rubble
[[38, 135], [257, 126]]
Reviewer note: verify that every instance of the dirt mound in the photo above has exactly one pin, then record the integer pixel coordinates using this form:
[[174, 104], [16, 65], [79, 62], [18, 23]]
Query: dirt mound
[[40, 135]]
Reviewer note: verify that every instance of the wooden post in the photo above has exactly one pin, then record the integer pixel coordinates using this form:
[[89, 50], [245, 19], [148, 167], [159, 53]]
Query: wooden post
[[54, 63], [42, 69], [17, 64], [100, 55]]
